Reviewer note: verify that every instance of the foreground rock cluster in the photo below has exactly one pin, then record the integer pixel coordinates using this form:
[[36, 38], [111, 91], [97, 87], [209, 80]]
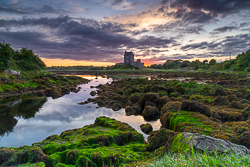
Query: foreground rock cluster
[[220, 112], [108, 142]]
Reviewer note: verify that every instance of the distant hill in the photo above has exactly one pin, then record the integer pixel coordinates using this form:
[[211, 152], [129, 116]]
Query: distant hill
[[22, 60]]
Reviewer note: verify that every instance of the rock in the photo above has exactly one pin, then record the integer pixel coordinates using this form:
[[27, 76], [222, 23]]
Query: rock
[[235, 104], [149, 103], [171, 106], [146, 128], [147, 88], [55, 93], [101, 103], [221, 92], [130, 111], [220, 100], [154, 89], [134, 98], [116, 107], [83, 103], [210, 144], [40, 93], [231, 98], [159, 138], [162, 101], [245, 139], [246, 112], [153, 97], [137, 108], [5, 154], [120, 92], [247, 97], [239, 94], [110, 104], [22, 157], [175, 94], [190, 105], [93, 93], [150, 112], [222, 82], [244, 101], [185, 96]]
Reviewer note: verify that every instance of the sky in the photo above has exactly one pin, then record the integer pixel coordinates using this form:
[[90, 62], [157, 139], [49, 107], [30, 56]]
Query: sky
[[98, 32]]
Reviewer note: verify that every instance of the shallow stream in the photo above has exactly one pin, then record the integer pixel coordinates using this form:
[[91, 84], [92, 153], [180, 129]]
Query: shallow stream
[[33, 121]]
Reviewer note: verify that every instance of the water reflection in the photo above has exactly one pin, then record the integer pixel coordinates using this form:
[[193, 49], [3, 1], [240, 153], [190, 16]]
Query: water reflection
[[25, 107], [33, 119]]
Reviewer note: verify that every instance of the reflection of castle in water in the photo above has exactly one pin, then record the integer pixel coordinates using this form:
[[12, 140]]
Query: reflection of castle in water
[[129, 59]]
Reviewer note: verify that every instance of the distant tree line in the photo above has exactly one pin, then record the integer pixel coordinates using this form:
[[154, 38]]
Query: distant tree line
[[74, 68], [241, 63]]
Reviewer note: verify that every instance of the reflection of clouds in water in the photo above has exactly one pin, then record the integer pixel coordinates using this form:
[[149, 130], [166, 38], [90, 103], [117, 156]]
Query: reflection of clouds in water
[[64, 113]]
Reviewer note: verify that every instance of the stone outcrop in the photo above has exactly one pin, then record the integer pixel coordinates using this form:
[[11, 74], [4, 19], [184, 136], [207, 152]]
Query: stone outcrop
[[210, 144]]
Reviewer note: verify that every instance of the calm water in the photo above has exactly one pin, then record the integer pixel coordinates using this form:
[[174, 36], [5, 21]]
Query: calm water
[[33, 121]]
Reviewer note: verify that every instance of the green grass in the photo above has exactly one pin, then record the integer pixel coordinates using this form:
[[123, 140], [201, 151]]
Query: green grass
[[196, 159]]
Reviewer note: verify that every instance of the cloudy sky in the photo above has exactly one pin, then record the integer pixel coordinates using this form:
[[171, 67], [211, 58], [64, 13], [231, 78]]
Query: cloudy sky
[[97, 32]]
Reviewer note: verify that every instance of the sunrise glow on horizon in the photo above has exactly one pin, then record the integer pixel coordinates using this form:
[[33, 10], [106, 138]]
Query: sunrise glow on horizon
[[98, 32]]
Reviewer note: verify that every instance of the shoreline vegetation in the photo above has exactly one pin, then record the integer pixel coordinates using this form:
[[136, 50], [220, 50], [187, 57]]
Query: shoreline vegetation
[[204, 124]]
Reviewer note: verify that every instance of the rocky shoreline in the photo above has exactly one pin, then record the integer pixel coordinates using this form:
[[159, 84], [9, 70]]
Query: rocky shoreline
[[51, 86], [203, 117]]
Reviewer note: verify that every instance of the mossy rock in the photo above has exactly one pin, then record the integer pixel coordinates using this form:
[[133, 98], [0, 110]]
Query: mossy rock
[[150, 112], [159, 138], [190, 105], [106, 142], [185, 121], [146, 128], [221, 100], [171, 106]]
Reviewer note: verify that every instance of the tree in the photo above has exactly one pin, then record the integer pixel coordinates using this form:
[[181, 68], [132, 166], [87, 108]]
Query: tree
[[212, 62]]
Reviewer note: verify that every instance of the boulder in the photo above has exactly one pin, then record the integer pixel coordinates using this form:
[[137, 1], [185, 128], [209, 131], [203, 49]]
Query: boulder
[[159, 138], [207, 143], [245, 139], [130, 111], [235, 104], [93, 93], [134, 98], [162, 101], [190, 105], [146, 128], [239, 94], [110, 104], [151, 112], [221, 92], [116, 107], [101, 103], [220, 100], [40, 93], [171, 106], [5, 154], [153, 97], [231, 98]]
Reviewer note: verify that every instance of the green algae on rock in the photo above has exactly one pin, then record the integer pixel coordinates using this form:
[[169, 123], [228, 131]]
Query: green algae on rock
[[106, 142]]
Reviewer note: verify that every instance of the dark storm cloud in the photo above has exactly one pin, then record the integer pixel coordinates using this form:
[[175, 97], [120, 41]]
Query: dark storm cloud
[[83, 39], [213, 6], [117, 2], [235, 44], [19, 8], [224, 29]]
